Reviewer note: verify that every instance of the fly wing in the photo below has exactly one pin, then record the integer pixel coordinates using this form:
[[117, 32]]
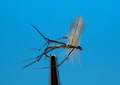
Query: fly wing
[[77, 27]]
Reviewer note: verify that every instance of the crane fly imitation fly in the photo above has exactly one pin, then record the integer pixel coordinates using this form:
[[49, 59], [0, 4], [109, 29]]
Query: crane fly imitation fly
[[76, 29]]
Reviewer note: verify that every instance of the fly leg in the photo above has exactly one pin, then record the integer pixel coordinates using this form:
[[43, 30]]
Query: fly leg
[[65, 58], [61, 61]]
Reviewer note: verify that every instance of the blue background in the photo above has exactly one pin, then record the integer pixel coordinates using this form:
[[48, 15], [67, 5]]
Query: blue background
[[99, 60]]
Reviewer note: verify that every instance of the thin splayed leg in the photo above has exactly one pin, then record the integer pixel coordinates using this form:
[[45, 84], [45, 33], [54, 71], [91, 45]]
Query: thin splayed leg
[[61, 61]]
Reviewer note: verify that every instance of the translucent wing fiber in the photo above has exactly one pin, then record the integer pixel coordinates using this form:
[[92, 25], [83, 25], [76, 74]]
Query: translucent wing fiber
[[76, 29]]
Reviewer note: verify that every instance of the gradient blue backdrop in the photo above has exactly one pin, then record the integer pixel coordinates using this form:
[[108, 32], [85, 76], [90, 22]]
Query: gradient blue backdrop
[[100, 58]]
